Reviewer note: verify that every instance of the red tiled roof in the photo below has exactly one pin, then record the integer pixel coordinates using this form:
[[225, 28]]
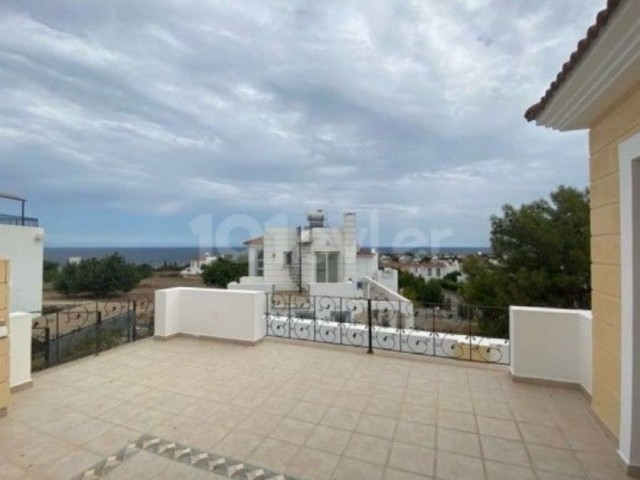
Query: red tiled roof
[[365, 252], [255, 241], [583, 47]]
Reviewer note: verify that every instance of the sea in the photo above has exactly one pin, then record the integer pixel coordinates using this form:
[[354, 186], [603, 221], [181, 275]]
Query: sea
[[158, 256]]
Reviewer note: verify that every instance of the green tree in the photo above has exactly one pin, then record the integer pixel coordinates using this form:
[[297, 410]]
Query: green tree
[[541, 255], [145, 270], [49, 271], [223, 271], [450, 281], [98, 277], [416, 289]]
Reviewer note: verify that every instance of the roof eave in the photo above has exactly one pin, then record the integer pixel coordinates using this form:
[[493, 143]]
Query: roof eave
[[603, 74]]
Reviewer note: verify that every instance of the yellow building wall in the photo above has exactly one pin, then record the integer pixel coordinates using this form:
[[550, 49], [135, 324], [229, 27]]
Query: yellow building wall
[[619, 123], [4, 342]]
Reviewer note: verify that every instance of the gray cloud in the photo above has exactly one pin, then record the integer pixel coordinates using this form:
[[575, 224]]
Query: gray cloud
[[158, 111]]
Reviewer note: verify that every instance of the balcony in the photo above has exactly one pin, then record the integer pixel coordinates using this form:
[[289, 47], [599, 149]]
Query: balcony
[[263, 407], [17, 220]]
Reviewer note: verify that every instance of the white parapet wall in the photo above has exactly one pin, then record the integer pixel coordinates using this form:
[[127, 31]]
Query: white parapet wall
[[23, 247], [211, 313], [551, 344], [20, 325]]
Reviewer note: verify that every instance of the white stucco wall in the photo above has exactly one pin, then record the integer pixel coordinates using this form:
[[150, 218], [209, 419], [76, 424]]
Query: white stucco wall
[[278, 241], [387, 277], [366, 265], [207, 312], [24, 248], [20, 349], [342, 289], [551, 344]]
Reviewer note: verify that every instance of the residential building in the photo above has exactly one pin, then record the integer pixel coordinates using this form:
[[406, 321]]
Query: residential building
[[598, 89], [297, 258], [22, 243], [196, 264], [434, 269]]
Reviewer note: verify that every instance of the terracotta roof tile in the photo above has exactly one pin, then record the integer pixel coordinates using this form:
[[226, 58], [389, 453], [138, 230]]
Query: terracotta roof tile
[[602, 18], [255, 241]]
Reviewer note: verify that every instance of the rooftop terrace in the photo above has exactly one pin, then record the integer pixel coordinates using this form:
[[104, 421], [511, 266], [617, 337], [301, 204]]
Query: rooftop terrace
[[187, 408]]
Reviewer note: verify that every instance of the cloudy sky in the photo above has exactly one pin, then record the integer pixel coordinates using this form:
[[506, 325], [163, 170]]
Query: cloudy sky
[[162, 122]]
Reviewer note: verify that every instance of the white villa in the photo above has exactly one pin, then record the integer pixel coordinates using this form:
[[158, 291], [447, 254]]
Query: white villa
[[434, 269], [316, 258], [196, 264]]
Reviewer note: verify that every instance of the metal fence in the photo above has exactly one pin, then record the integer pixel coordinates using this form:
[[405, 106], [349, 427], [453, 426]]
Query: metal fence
[[18, 220], [457, 331], [79, 330]]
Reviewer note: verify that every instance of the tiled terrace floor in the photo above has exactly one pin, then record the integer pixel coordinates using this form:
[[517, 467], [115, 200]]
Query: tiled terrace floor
[[301, 410]]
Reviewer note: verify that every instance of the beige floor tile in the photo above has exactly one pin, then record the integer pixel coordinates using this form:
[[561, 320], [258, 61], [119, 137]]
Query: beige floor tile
[[421, 399], [112, 440], [455, 441], [292, 431], [260, 423], [230, 416], [543, 475], [502, 471], [294, 390], [312, 464], [277, 405], [554, 460], [351, 401], [206, 436], [11, 471], [72, 464], [493, 409], [455, 403], [176, 428], [412, 458], [238, 445], [457, 421], [498, 428], [352, 469], [415, 433], [308, 412], [162, 387], [450, 466], [601, 467], [542, 435], [384, 407], [588, 439], [418, 413], [368, 448], [376, 425], [323, 396], [328, 439], [273, 454], [393, 474], [503, 450], [340, 418]]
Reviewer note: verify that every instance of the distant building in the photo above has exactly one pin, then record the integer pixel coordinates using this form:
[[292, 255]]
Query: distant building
[[74, 260], [314, 255], [434, 269], [196, 264]]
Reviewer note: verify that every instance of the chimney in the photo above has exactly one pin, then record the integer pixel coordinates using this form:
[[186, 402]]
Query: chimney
[[349, 246]]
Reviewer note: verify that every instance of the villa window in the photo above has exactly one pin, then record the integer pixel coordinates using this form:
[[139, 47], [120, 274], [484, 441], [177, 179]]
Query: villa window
[[327, 264], [260, 263], [438, 272], [287, 259]]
